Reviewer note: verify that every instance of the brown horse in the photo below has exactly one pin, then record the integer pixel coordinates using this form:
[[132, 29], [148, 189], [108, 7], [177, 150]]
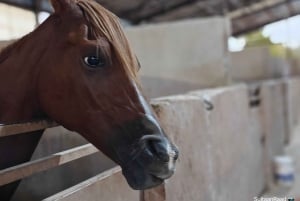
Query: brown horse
[[78, 69]]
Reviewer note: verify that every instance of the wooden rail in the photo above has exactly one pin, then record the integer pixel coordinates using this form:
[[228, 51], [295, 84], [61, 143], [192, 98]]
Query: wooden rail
[[103, 184], [15, 129], [82, 191], [27, 169]]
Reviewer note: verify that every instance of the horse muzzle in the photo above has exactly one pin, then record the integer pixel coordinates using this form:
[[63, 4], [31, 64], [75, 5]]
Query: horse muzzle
[[154, 163], [146, 159]]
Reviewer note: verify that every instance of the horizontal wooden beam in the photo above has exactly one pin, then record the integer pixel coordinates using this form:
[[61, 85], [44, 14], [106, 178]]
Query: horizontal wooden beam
[[15, 129], [190, 10], [246, 21], [255, 7], [88, 185], [27, 169]]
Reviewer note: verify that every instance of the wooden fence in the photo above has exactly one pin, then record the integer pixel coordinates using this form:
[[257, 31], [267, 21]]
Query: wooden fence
[[27, 169], [58, 159]]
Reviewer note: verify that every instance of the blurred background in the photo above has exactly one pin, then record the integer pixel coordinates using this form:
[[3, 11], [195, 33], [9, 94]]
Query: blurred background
[[245, 51]]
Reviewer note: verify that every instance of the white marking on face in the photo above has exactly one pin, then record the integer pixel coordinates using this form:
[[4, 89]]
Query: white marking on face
[[172, 155], [147, 108]]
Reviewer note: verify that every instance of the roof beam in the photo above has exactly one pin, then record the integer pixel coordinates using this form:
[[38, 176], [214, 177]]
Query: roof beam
[[248, 20], [255, 7], [153, 8], [200, 8], [194, 9]]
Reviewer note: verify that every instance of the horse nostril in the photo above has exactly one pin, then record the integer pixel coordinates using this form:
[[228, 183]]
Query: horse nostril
[[159, 149], [157, 146]]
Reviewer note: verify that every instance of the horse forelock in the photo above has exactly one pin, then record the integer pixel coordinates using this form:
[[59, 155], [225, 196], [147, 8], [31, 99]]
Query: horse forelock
[[105, 24]]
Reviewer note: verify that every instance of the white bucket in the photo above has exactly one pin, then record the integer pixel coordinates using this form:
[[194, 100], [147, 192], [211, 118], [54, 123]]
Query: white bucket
[[284, 171]]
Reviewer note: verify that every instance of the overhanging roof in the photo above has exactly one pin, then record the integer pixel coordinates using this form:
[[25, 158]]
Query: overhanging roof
[[258, 15], [246, 15]]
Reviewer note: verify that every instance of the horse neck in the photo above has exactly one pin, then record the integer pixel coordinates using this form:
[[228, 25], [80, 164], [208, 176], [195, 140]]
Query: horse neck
[[18, 79]]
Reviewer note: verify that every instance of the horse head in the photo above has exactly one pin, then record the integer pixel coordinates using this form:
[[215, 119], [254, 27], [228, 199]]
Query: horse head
[[88, 83]]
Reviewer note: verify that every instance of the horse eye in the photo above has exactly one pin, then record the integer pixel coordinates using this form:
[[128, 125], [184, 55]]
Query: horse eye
[[94, 61]]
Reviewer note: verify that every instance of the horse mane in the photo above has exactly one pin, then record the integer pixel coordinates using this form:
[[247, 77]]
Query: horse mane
[[105, 24]]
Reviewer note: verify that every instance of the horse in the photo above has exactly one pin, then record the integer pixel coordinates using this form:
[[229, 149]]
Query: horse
[[78, 69]]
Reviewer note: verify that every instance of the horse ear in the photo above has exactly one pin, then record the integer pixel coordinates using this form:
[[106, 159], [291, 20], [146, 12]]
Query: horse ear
[[60, 5]]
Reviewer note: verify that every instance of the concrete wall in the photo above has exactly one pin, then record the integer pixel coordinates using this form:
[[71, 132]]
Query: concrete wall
[[192, 51], [220, 153], [257, 63], [274, 123], [227, 138], [293, 109], [154, 87]]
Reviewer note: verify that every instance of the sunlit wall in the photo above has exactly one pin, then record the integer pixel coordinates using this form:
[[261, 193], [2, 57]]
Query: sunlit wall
[[15, 22]]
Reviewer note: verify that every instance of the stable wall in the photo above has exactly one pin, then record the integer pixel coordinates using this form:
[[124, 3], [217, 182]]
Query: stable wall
[[228, 137], [194, 51], [219, 150], [292, 86], [257, 63], [272, 117]]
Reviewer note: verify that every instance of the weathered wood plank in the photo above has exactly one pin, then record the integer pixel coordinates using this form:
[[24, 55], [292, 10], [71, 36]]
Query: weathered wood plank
[[157, 194], [256, 19], [14, 129], [108, 186], [27, 169]]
